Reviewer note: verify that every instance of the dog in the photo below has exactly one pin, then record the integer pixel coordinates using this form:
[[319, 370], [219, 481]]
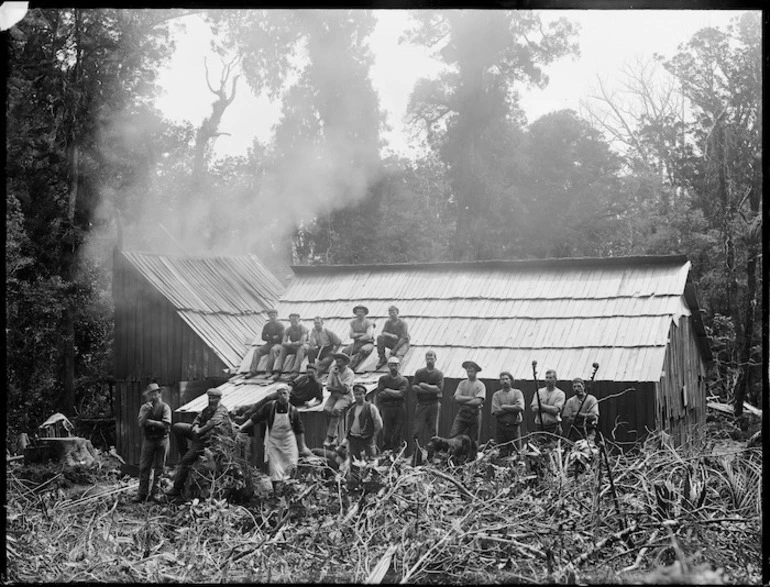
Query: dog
[[461, 449]]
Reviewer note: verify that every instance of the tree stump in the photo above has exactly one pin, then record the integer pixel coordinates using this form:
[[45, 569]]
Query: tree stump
[[70, 450]]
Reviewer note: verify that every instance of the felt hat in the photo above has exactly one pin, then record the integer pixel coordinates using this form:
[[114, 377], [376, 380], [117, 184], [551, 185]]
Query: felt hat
[[214, 392], [152, 387], [364, 308], [293, 314], [359, 386], [394, 360], [473, 364], [342, 356]]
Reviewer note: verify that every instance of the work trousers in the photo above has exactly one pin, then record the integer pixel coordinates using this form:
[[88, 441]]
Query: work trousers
[[358, 351], [260, 352], [398, 348], [189, 451], [393, 418], [360, 447], [506, 436], [152, 458], [577, 432], [466, 423], [334, 409], [323, 360], [279, 353], [426, 422]]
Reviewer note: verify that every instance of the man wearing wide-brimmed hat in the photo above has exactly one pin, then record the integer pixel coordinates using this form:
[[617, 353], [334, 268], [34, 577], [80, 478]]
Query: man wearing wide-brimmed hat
[[340, 387], [272, 334], [213, 419], [155, 421], [469, 395], [362, 334]]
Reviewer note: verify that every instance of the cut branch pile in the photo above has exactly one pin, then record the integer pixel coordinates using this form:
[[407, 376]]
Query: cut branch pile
[[685, 516]]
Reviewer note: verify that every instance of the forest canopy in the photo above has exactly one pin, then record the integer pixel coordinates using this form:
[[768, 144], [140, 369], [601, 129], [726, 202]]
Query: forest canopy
[[92, 163]]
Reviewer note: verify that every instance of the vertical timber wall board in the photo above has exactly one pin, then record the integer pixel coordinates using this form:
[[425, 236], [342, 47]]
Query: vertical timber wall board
[[683, 365]]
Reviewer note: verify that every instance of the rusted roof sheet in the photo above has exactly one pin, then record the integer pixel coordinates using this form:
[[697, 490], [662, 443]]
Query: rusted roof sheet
[[223, 299], [565, 314]]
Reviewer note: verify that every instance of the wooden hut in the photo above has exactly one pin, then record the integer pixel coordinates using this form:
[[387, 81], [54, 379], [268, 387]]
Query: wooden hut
[[185, 322], [638, 317]]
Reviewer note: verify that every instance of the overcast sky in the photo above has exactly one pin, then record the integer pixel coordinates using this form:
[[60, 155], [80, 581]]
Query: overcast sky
[[608, 39]]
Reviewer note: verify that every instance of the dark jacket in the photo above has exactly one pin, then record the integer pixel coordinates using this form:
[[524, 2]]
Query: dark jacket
[[365, 420]]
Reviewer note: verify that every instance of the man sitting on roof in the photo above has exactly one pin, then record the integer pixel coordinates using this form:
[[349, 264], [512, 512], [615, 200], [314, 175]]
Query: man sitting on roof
[[294, 343], [212, 420], [394, 336], [340, 388], [323, 343], [272, 334], [362, 333], [284, 437]]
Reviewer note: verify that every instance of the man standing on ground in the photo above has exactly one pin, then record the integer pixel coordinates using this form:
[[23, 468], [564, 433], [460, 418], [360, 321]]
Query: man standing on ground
[[340, 388], [272, 334], [323, 343], [364, 424], [155, 421], [394, 336], [284, 437], [427, 385], [552, 400], [391, 396], [469, 395], [362, 334], [212, 420], [580, 422], [294, 343], [507, 408]]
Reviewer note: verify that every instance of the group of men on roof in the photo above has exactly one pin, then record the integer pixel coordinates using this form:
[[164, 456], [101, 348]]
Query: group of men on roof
[[320, 344], [365, 420]]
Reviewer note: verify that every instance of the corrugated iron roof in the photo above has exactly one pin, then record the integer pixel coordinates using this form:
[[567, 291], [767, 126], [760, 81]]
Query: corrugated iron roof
[[240, 391], [565, 313], [223, 299]]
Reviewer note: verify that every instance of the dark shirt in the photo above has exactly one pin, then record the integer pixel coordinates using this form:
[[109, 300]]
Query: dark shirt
[[305, 389], [397, 327], [388, 382], [272, 332], [212, 419], [434, 377], [268, 411]]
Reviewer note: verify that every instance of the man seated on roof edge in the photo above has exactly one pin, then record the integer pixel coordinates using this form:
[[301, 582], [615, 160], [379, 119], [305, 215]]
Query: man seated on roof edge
[[394, 336], [294, 343], [272, 334], [322, 344], [362, 334]]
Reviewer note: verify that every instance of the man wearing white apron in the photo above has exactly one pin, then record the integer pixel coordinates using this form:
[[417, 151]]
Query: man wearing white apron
[[284, 434]]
